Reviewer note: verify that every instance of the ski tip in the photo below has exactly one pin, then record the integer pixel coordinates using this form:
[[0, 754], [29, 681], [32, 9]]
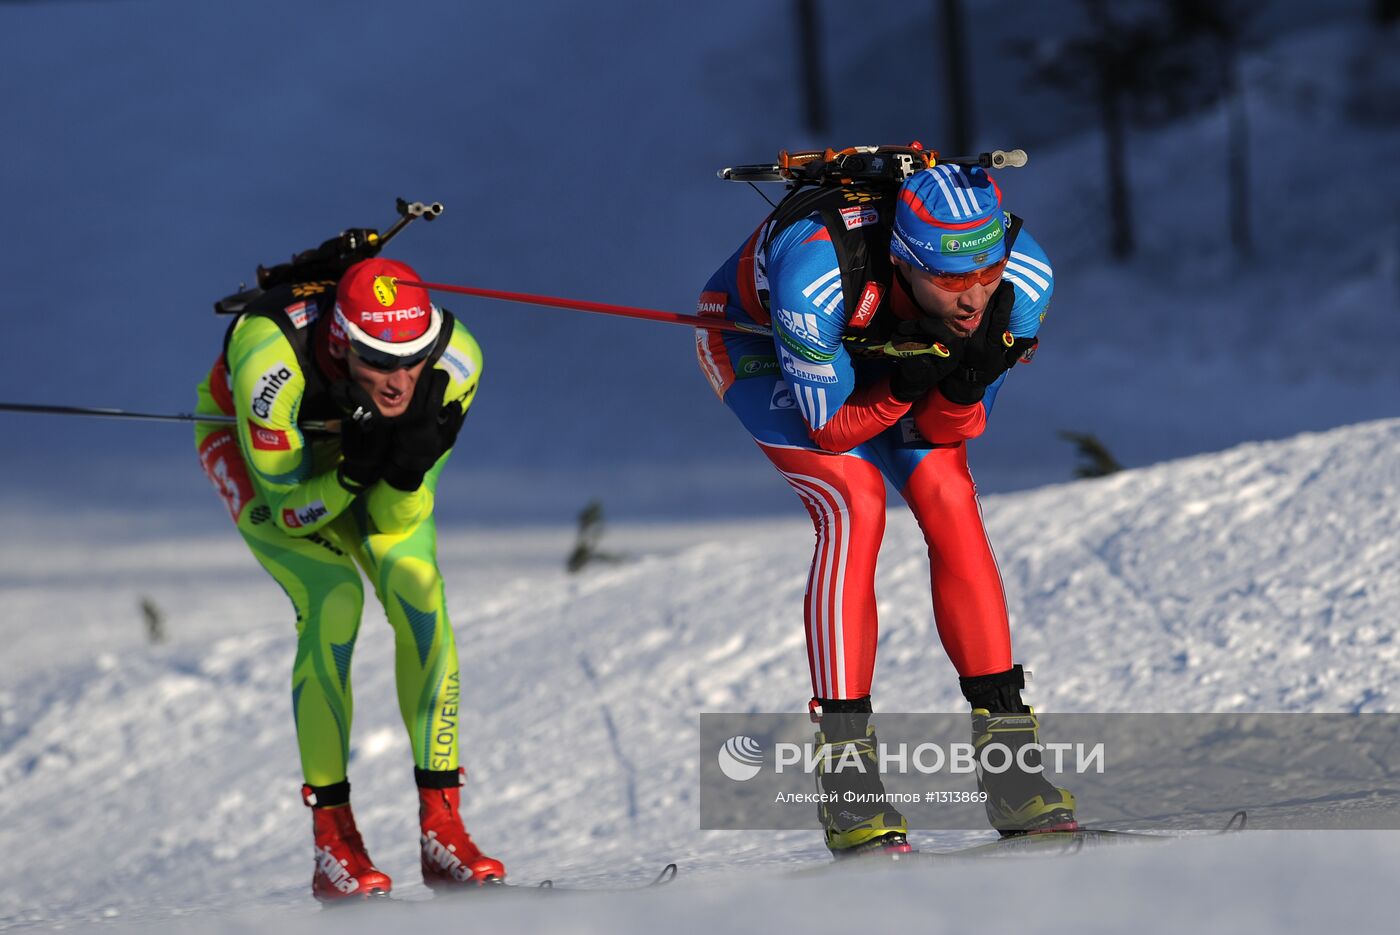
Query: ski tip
[[1237, 822], [667, 874]]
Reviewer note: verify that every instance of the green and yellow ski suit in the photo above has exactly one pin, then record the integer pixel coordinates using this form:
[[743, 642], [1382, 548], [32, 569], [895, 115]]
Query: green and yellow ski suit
[[310, 533]]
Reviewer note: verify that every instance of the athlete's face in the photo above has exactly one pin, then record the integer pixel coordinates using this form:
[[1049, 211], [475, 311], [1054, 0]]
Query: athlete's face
[[961, 308], [391, 390]]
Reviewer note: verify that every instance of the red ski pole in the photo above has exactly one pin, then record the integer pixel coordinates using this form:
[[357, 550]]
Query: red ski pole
[[625, 311]]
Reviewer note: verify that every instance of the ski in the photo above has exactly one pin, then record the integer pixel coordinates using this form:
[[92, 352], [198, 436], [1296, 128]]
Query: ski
[[667, 874], [1047, 843], [545, 887], [1035, 843]]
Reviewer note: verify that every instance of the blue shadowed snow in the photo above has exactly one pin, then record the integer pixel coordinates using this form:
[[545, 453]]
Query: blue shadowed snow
[[161, 150]]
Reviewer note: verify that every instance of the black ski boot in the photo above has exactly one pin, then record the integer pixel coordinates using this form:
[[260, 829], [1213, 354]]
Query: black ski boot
[[1018, 800], [849, 766]]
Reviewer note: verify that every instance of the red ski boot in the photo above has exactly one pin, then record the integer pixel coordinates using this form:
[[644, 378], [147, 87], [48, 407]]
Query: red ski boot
[[450, 859], [343, 868]]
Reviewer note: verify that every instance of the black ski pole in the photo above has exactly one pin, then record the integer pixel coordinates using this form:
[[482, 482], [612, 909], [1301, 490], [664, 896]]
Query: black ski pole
[[314, 425]]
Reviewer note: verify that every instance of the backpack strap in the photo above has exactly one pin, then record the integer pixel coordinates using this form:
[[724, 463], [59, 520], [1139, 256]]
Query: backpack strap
[[295, 310], [858, 219], [1012, 229]]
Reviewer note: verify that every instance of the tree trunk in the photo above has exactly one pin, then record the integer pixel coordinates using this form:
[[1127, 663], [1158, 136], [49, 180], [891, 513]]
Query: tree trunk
[[809, 53], [1111, 68], [1116, 156], [959, 107], [1238, 155]]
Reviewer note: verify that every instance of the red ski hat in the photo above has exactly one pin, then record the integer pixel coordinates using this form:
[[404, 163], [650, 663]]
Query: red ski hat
[[385, 324]]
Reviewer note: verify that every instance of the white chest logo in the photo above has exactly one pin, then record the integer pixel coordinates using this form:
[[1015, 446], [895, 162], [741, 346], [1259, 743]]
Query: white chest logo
[[269, 385]]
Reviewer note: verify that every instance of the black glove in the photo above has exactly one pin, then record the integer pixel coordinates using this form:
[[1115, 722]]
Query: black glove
[[450, 420], [364, 436], [927, 351], [423, 433], [991, 351]]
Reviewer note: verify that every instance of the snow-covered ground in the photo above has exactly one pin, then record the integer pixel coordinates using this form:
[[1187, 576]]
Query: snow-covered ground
[[159, 784], [155, 151]]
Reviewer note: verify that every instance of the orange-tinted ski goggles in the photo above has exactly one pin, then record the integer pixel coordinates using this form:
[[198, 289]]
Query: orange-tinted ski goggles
[[961, 282]]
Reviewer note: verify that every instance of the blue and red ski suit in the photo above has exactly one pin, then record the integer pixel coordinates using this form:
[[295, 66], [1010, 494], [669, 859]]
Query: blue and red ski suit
[[831, 427]]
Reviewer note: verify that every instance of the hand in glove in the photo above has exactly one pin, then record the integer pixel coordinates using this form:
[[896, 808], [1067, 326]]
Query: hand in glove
[[364, 436], [991, 351], [927, 351], [423, 433]]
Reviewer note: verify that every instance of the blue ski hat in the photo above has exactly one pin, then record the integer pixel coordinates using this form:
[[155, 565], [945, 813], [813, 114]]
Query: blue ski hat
[[949, 220]]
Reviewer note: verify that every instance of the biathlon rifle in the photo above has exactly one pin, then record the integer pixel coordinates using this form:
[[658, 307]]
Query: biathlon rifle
[[869, 164], [854, 164], [331, 259]]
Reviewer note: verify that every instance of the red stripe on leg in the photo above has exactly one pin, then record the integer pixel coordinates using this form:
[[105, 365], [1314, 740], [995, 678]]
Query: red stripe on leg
[[845, 497], [969, 602]]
